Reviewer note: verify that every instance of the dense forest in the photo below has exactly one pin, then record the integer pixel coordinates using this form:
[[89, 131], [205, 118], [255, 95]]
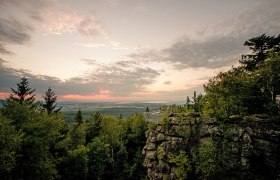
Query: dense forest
[[36, 143]]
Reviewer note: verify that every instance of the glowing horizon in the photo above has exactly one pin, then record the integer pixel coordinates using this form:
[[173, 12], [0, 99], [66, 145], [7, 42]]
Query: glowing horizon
[[119, 50]]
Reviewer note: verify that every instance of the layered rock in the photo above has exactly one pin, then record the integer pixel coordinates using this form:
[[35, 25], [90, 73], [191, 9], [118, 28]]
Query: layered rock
[[252, 143]]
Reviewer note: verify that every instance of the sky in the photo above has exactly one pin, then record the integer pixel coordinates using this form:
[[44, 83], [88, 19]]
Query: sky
[[126, 50]]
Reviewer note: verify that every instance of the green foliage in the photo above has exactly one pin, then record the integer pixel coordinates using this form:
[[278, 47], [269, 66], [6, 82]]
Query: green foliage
[[207, 164], [10, 141], [134, 140], [267, 78], [248, 89], [161, 155], [49, 105], [147, 109], [93, 126], [75, 164], [261, 47], [37, 144], [136, 168], [23, 93], [152, 125], [17, 113], [39, 133], [120, 162], [77, 136], [227, 93], [79, 117], [214, 154], [184, 131], [111, 131], [182, 163], [166, 123], [195, 105], [99, 158]]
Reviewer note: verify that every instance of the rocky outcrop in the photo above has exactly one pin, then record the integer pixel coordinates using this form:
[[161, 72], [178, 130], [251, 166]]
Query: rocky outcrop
[[243, 147]]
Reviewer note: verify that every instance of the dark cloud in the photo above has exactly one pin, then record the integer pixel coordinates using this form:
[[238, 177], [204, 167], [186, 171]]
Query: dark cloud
[[213, 53], [123, 77], [15, 28], [221, 44], [13, 32], [225, 45], [116, 79]]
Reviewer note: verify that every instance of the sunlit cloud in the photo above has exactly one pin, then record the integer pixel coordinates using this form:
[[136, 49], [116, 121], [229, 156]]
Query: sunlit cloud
[[113, 45], [55, 18], [167, 82], [4, 95], [91, 45]]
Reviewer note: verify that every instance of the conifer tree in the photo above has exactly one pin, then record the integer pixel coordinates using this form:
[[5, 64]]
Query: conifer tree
[[94, 124], [23, 93], [261, 46], [50, 102], [147, 109], [79, 117]]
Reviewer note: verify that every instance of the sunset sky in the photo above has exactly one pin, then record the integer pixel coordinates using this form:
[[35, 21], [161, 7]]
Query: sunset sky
[[126, 50]]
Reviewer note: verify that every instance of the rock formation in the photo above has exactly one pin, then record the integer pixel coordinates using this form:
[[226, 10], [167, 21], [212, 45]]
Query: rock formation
[[190, 146]]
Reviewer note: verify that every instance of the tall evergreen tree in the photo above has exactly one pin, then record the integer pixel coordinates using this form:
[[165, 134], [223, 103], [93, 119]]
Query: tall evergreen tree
[[260, 46], [147, 109], [94, 126], [50, 102], [79, 117], [23, 93]]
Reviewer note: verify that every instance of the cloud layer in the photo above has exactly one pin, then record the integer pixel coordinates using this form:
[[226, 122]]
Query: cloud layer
[[120, 79], [50, 16], [219, 45], [13, 32]]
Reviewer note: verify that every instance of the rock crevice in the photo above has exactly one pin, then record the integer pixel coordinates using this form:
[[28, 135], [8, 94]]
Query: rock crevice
[[249, 145]]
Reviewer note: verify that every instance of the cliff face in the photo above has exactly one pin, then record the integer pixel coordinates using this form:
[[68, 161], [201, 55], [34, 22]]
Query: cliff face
[[189, 146]]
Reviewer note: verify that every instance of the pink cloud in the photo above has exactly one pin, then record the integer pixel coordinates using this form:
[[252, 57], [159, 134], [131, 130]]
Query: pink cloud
[[99, 97], [4, 95], [61, 21], [55, 17]]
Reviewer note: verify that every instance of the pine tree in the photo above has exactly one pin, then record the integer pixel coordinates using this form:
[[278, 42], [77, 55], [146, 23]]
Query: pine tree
[[50, 99], [147, 109], [23, 93], [261, 46], [79, 117], [94, 124]]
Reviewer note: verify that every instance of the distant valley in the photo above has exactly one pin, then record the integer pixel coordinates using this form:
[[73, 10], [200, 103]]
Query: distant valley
[[123, 109]]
